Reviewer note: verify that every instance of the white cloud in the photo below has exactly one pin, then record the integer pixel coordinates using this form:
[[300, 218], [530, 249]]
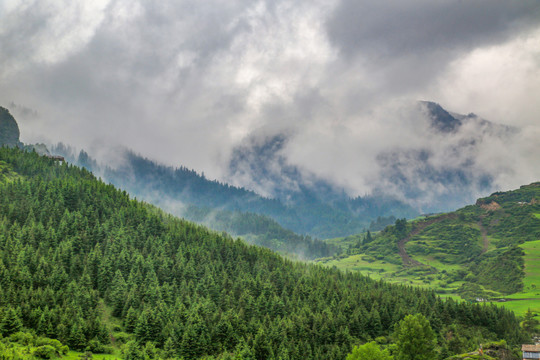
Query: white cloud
[[184, 82], [499, 82]]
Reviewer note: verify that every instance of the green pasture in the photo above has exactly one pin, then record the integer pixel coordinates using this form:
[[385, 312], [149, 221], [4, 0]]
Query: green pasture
[[529, 298], [532, 266], [439, 281], [430, 260], [397, 274], [375, 269]]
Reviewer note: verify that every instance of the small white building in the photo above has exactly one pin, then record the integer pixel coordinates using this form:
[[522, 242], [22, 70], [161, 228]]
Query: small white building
[[530, 351]]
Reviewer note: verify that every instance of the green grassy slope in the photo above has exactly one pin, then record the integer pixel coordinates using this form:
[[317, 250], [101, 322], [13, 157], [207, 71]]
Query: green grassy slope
[[488, 250]]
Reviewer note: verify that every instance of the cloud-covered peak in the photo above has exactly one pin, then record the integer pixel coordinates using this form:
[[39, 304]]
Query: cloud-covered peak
[[190, 82]]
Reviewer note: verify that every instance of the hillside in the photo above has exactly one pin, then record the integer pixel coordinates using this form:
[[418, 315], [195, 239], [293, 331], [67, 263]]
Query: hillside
[[187, 194], [304, 212], [309, 204], [482, 251], [9, 130], [83, 263]]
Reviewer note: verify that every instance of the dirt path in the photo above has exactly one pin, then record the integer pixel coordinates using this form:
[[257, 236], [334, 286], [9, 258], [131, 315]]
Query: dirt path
[[407, 260], [485, 240]]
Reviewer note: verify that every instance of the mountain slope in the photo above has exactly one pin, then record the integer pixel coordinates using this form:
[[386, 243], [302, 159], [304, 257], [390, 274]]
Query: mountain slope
[[304, 212], [477, 251], [83, 263], [9, 130]]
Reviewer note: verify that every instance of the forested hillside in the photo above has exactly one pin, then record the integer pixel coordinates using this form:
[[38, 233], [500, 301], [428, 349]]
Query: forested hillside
[[320, 212], [221, 207], [262, 231], [83, 263]]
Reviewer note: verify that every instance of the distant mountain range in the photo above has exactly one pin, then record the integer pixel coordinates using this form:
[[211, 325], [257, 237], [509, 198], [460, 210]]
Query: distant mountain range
[[189, 194], [441, 172], [412, 180], [436, 176]]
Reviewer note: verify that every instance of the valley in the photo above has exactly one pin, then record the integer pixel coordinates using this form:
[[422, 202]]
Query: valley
[[92, 269], [269, 180], [143, 283]]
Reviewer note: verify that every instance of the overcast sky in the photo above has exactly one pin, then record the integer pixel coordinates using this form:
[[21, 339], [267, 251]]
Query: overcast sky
[[186, 81]]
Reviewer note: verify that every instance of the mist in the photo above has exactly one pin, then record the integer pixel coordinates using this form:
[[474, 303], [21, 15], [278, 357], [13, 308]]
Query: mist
[[187, 83]]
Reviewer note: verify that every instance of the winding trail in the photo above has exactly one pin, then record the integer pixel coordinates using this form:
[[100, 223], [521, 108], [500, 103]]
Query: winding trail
[[406, 258]]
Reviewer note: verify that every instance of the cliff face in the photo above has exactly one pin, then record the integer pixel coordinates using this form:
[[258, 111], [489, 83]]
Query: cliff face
[[9, 130]]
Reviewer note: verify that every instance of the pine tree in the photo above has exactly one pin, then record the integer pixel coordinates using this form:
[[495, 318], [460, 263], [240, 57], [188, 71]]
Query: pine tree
[[76, 339], [118, 293], [261, 346], [530, 323], [10, 322]]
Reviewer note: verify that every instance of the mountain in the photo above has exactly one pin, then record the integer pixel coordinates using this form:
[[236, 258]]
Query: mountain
[[483, 251], [441, 120], [83, 264], [440, 171], [9, 130], [443, 174], [446, 172], [323, 209], [185, 193], [309, 211]]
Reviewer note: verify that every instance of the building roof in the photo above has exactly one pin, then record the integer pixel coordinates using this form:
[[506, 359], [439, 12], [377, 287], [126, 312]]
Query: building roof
[[530, 348]]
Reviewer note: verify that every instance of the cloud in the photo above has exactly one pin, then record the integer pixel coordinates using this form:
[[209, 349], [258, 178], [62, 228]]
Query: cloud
[[386, 29], [187, 82]]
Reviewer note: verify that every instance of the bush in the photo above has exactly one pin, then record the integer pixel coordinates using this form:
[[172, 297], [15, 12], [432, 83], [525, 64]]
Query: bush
[[121, 337], [57, 345], [45, 352], [22, 338], [64, 350], [96, 347]]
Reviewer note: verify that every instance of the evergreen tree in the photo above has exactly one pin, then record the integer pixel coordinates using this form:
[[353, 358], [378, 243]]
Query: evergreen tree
[[530, 324], [414, 338], [118, 293], [76, 339], [10, 322]]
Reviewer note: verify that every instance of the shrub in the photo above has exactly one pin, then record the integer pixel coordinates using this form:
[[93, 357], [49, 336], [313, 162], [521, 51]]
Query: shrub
[[57, 345], [21, 338], [121, 337], [45, 352], [96, 347]]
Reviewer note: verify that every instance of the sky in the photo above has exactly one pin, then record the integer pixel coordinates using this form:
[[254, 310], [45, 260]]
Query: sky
[[186, 82]]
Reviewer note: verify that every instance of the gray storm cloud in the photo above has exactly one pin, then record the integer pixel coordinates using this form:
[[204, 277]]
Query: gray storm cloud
[[187, 82]]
